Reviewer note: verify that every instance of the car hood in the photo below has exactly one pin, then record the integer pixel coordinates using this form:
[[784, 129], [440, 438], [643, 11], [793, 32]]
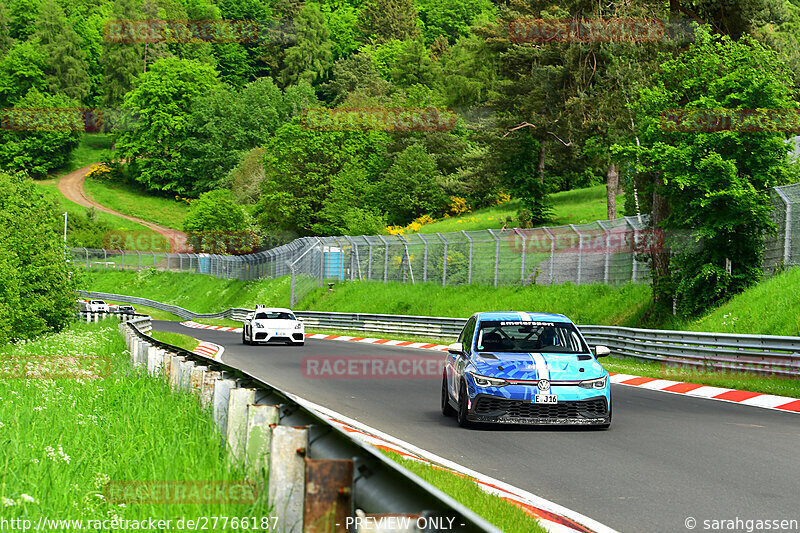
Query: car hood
[[533, 366], [279, 324]]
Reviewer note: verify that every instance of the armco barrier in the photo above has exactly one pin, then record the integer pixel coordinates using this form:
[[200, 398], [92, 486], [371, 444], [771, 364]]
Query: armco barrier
[[320, 477], [763, 354]]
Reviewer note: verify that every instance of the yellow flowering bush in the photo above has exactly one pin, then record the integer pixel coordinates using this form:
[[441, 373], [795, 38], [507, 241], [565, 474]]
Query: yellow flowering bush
[[502, 198], [458, 205], [99, 171]]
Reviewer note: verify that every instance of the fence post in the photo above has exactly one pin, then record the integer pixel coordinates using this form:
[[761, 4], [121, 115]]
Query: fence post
[[424, 258], [444, 260], [634, 245], [87, 257], [787, 234], [408, 258], [369, 262], [580, 253], [385, 257], [496, 255], [522, 268], [608, 251], [469, 271], [154, 258], [552, 253], [105, 258], [287, 476]]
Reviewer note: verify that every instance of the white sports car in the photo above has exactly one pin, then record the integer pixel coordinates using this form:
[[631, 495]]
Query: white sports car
[[273, 325]]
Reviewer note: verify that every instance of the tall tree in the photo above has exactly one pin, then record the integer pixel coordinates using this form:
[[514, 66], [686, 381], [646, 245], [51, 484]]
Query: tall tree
[[714, 183], [6, 41], [65, 66], [121, 62], [311, 57], [161, 101], [384, 20]]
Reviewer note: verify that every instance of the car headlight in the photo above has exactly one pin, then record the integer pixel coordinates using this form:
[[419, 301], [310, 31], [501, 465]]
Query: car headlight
[[485, 381], [259, 325], [298, 325], [594, 383]]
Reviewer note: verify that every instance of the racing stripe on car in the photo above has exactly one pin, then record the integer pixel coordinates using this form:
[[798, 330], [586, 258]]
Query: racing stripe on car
[[542, 370]]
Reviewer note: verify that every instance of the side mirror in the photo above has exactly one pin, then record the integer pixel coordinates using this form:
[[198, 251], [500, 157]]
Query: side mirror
[[299, 319], [601, 351], [456, 348]]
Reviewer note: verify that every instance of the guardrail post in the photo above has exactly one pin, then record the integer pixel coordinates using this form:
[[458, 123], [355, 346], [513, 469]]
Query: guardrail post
[[222, 393], [207, 388], [328, 497], [153, 360], [469, 270], [236, 432], [175, 372], [287, 476], [260, 419], [185, 382], [196, 379]]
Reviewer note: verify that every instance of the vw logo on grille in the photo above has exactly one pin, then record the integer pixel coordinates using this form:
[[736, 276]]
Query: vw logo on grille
[[544, 384]]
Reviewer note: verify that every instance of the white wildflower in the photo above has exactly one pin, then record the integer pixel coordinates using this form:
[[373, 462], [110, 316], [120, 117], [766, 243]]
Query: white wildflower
[[27, 498], [8, 502]]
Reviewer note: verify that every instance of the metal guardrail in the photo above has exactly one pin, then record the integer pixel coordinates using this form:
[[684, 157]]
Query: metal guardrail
[[763, 354], [338, 476]]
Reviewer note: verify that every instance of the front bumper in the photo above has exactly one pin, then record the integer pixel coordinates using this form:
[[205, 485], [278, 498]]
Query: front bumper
[[494, 409], [264, 336]]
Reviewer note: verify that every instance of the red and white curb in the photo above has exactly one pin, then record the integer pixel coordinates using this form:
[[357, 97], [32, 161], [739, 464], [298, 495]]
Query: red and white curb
[[756, 399], [209, 349], [191, 324], [553, 517]]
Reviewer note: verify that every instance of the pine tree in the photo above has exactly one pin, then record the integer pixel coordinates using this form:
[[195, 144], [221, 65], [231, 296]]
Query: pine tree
[[311, 57], [65, 64], [122, 62], [384, 20]]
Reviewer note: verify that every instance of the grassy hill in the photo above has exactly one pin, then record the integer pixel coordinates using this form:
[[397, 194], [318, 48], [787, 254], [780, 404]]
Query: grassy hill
[[578, 206]]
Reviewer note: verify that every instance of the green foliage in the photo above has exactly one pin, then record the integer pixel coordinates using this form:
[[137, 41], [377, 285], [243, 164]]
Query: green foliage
[[227, 122], [121, 62], [36, 283], [384, 20], [212, 219], [716, 183], [21, 70], [65, 66], [161, 102], [450, 18], [310, 58], [301, 165], [411, 187], [49, 142]]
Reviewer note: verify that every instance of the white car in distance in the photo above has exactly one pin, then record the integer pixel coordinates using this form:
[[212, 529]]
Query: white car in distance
[[96, 306], [273, 325]]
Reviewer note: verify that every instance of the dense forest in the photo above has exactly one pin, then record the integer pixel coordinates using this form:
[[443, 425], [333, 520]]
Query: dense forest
[[347, 116]]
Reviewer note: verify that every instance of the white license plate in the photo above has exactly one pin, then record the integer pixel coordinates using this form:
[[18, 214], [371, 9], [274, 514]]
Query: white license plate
[[281, 334], [545, 398]]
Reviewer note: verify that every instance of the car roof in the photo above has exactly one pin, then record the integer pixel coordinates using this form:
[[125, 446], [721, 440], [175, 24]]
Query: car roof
[[522, 316], [273, 310]]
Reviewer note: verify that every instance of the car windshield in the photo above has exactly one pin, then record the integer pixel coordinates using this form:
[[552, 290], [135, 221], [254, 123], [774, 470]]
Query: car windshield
[[98, 302], [529, 336], [274, 315]]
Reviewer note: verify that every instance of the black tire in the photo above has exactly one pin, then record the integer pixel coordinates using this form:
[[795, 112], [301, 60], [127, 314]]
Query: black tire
[[461, 414], [447, 409], [244, 340]]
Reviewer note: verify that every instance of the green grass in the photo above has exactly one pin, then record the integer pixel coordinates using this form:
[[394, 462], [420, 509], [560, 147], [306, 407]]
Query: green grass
[[741, 381], [621, 305], [65, 439], [505, 515], [770, 308], [196, 292], [133, 200], [578, 206], [176, 339], [91, 149], [50, 189]]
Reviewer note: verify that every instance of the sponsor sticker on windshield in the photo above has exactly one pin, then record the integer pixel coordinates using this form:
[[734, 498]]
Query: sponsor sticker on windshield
[[526, 323]]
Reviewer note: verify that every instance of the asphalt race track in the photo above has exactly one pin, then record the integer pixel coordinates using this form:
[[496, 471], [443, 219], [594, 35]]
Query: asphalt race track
[[666, 457]]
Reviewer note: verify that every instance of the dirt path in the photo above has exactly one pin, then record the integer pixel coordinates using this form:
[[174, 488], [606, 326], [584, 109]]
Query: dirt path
[[71, 186]]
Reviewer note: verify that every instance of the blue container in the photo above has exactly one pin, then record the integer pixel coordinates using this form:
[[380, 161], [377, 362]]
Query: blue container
[[332, 263], [204, 263]]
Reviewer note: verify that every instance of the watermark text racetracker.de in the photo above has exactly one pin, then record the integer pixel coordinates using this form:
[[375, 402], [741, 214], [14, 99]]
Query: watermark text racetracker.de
[[196, 523], [741, 524], [373, 367]]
